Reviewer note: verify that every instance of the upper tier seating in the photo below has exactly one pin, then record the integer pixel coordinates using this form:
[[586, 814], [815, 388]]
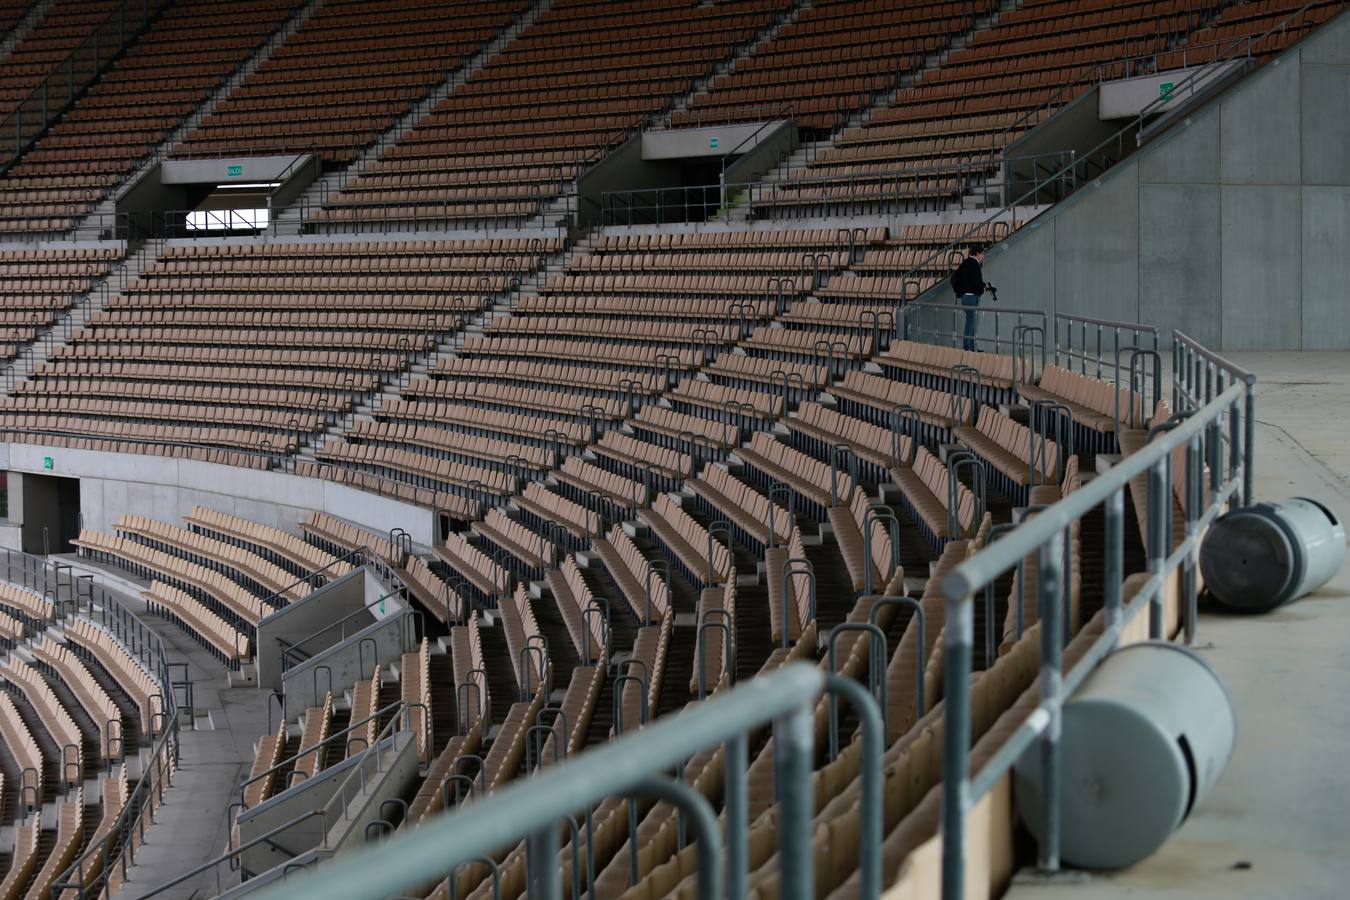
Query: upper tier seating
[[573, 85], [1005, 80], [347, 74], [48, 43], [836, 57], [132, 108], [40, 286], [1271, 25]]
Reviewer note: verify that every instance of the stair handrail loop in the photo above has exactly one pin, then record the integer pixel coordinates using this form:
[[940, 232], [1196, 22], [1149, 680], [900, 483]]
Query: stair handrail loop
[[793, 567], [879, 514], [845, 451], [901, 412], [920, 620], [956, 462], [659, 567], [876, 672], [721, 620], [776, 489]]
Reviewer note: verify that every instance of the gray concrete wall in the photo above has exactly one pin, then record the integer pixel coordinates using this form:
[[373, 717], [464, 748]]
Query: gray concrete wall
[[392, 778], [342, 665], [249, 169], [769, 148], [1230, 226], [1127, 97], [167, 489], [709, 140], [304, 617], [625, 169]]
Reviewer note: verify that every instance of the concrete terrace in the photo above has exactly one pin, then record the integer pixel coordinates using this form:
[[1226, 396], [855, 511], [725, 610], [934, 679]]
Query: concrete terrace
[[1277, 824]]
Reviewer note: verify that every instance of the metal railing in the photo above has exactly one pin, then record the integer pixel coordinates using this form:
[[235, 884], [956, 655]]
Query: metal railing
[[944, 324], [980, 178], [117, 848], [335, 809], [1209, 483], [636, 765], [59, 89], [1198, 376]]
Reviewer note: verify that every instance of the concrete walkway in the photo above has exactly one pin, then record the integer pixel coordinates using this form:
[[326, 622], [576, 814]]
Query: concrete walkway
[[189, 829], [1277, 823]]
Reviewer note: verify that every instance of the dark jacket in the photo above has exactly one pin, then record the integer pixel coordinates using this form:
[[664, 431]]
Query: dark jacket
[[968, 279]]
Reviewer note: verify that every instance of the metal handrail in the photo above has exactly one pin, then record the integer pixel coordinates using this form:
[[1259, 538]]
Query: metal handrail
[[145, 644], [1192, 364], [288, 655], [1044, 536], [324, 812], [532, 808]]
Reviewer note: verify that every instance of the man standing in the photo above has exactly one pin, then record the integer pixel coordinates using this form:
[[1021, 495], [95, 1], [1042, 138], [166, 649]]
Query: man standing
[[968, 285]]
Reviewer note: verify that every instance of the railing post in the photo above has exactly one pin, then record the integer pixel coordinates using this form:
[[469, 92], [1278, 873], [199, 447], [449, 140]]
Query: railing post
[[737, 812], [1113, 556], [1049, 562], [794, 746], [541, 855], [1248, 442], [958, 642], [1159, 515]]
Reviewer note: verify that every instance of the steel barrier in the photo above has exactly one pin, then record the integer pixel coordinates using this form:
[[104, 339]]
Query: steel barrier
[[1043, 535], [116, 850]]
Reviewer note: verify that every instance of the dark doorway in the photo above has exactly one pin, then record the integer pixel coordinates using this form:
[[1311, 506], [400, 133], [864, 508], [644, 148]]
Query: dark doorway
[[51, 513]]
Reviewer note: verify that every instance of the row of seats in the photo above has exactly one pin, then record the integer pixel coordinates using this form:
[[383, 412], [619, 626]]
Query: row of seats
[[302, 98], [574, 84], [132, 108], [834, 58], [318, 344]]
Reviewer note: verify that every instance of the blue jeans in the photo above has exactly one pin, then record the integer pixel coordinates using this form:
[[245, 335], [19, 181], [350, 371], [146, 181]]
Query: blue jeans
[[970, 301]]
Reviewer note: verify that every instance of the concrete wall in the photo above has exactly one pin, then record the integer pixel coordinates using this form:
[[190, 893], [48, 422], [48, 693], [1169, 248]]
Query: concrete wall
[[710, 140], [299, 620], [341, 666], [115, 483], [251, 169], [1231, 225], [623, 170], [1127, 97]]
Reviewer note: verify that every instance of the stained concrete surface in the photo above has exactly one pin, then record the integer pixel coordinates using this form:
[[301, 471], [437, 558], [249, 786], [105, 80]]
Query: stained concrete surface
[[1277, 823], [189, 829]]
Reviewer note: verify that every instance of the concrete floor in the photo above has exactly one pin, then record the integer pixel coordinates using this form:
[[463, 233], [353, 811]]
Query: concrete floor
[[189, 829], [1277, 823]]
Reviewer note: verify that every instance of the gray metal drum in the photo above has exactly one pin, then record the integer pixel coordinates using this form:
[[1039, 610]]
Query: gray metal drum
[[1255, 558], [1144, 738]]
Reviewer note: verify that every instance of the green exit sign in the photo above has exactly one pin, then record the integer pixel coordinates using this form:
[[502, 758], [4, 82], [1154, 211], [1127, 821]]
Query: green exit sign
[[712, 143], [47, 462], [1165, 89], [234, 171]]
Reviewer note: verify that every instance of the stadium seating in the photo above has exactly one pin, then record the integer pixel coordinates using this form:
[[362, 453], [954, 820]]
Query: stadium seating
[[49, 42], [658, 462], [836, 58], [576, 83], [306, 95], [132, 109]]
